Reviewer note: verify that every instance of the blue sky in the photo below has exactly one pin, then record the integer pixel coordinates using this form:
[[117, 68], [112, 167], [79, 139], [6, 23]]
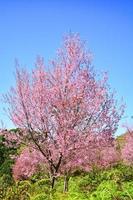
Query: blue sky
[[35, 27]]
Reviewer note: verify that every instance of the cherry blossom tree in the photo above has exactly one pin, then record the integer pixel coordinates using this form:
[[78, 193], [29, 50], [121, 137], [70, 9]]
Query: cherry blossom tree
[[27, 163], [11, 137], [65, 109], [127, 150]]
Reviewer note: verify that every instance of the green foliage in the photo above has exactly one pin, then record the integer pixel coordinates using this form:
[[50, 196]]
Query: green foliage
[[127, 172], [107, 190], [74, 190], [19, 191], [4, 151], [127, 190], [41, 186], [40, 197], [38, 176], [15, 130], [89, 182], [5, 168], [6, 163], [111, 184]]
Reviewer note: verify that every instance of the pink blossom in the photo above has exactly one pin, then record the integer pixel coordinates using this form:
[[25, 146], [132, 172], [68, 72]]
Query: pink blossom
[[127, 150], [26, 164]]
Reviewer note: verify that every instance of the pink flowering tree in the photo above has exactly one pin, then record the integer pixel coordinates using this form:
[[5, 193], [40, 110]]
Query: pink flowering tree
[[64, 109], [27, 163], [9, 140], [127, 150], [11, 137]]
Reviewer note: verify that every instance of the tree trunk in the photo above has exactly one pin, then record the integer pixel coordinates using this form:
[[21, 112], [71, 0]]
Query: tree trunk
[[66, 179], [54, 170], [53, 182]]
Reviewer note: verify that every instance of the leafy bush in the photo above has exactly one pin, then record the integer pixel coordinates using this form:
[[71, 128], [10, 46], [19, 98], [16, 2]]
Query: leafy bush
[[40, 197], [107, 190], [127, 172], [127, 191], [19, 191]]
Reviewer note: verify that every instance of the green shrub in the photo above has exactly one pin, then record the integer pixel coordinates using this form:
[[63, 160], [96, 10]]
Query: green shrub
[[127, 172], [40, 197], [127, 191], [107, 190], [41, 186], [20, 191]]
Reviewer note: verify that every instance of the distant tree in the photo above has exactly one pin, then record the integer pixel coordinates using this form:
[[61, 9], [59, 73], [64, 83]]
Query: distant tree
[[61, 110], [127, 150]]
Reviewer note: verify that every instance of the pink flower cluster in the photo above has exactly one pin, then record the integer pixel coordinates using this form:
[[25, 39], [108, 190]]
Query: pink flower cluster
[[127, 150], [27, 163]]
